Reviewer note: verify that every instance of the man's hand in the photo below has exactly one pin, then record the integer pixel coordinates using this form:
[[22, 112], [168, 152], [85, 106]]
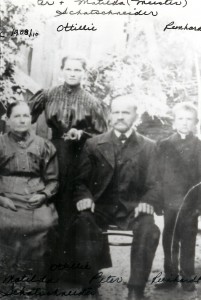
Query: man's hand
[[73, 134], [143, 208], [7, 203], [36, 201], [84, 204]]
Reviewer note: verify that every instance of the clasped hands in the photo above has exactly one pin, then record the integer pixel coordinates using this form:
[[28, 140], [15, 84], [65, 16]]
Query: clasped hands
[[73, 134], [88, 203], [35, 201]]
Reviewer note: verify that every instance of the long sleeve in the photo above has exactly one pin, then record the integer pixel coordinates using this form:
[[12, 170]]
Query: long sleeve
[[50, 170], [99, 116], [152, 195], [83, 175], [37, 104]]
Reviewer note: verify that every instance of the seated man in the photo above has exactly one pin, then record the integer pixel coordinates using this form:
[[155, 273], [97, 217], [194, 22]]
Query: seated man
[[28, 180], [115, 184]]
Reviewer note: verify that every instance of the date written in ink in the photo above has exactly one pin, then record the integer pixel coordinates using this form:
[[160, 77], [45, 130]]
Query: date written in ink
[[19, 32], [28, 32]]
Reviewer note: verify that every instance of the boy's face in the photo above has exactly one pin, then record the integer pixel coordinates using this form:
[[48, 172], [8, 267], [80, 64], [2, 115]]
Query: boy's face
[[185, 121]]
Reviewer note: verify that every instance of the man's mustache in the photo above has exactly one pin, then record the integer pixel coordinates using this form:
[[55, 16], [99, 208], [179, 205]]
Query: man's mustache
[[120, 122]]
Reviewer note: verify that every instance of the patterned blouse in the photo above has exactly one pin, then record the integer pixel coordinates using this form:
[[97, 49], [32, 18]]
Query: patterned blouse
[[69, 107]]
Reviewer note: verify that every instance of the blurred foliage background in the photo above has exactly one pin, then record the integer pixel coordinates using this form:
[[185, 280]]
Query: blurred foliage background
[[158, 69]]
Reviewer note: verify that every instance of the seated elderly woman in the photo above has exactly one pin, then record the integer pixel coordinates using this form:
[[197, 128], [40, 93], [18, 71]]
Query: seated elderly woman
[[28, 182]]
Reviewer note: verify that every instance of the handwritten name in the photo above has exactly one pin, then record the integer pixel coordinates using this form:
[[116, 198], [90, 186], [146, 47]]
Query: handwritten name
[[27, 278], [75, 27], [172, 25], [41, 292], [106, 13], [158, 278], [166, 2], [100, 2], [100, 278], [70, 266]]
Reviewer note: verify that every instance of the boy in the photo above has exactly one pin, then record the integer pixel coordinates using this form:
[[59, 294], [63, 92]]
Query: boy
[[180, 170]]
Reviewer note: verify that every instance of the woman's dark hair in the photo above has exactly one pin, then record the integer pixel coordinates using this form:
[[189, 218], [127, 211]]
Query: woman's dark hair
[[81, 59], [10, 107]]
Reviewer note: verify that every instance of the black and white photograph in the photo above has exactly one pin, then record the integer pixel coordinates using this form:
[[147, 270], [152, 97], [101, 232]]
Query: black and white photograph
[[100, 149]]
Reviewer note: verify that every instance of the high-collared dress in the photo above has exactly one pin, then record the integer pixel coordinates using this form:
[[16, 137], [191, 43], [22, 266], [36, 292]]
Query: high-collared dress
[[68, 107], [27, 167]]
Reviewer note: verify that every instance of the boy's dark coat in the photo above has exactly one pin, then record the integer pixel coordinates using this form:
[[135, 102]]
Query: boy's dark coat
[[179, 165]]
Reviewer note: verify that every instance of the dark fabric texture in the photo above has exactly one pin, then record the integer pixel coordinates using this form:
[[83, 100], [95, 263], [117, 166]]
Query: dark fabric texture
[[118, 177], [179, 239], [179, 169], [68, 107], [92, 247], [85, 245], [136, 171]]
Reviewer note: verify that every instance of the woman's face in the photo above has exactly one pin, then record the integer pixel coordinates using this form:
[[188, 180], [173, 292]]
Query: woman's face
[[20, 118], [73, 71]]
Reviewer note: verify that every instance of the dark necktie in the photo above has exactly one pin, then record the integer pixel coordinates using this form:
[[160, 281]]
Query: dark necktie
[[122, 138]]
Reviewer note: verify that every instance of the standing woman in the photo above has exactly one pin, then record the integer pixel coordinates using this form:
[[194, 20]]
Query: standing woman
[[74, 115]]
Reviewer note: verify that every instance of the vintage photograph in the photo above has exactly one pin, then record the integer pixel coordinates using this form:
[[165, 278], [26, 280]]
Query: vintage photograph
[[100, 150]]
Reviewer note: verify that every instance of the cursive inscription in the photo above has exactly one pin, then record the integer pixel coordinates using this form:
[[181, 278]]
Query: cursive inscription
[[27, 278], [100, 278], [158, 278], [70, 266], [100, 2], [106, 13], [172, 25], [75, 27], [41, 2], [166, 2], [38, 292]]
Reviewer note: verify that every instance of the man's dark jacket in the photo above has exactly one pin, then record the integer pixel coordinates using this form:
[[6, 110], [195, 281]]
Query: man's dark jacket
[[96, 169]]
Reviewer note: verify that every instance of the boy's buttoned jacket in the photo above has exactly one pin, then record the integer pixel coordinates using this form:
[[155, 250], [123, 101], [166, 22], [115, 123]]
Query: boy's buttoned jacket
[[179, 170]]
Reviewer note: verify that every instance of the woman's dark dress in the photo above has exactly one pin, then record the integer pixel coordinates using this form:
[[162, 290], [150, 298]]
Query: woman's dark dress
[[68, 107]]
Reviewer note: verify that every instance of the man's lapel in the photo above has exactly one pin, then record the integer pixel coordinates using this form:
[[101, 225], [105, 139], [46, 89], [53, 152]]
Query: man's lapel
[[106, 148], [134, 143]]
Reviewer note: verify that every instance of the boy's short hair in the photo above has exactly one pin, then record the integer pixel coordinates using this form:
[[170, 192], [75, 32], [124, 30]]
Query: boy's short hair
[[188, 106]]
